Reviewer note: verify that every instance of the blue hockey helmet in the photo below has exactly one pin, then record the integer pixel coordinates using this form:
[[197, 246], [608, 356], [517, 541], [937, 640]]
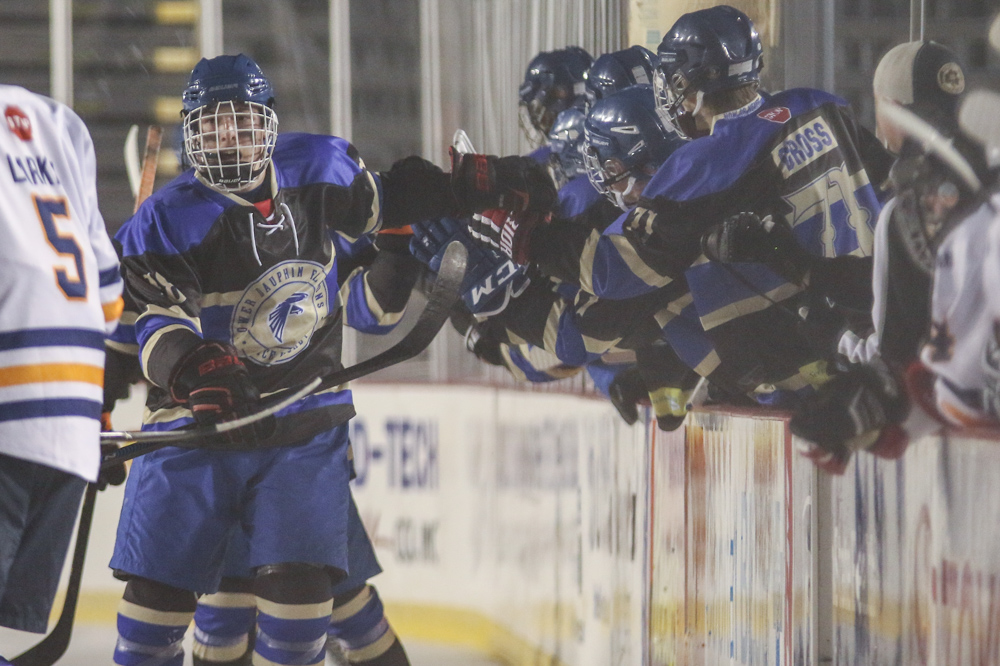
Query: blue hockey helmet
[[626, 140], [566, 141], [553, 82], [618, 70], [230, 127], [706, 51]]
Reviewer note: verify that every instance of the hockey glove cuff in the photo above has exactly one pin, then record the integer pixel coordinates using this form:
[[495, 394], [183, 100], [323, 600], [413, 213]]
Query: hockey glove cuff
[[508, 233]]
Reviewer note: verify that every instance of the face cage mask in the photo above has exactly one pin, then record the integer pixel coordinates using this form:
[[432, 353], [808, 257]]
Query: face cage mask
[[248, 130], [602, 183], [924, 203], [669, 98]]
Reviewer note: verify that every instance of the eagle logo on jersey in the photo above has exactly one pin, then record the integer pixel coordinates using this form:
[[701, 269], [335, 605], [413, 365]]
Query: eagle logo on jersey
[[18, 123], [279, 315], [280, 311]]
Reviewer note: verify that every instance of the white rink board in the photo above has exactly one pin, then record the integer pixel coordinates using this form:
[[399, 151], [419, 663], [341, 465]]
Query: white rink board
[[527, 508]]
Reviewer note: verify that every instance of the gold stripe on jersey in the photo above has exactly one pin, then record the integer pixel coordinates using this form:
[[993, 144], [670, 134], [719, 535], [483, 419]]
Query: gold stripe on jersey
[[587, 262], [596, 346], [749, 305], [708, 364], [638, 267], [113, 310], [550, 335], [42, 373]]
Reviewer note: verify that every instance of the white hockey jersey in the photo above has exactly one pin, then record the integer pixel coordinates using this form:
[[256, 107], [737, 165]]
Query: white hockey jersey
[[961, 320], [60, 288]]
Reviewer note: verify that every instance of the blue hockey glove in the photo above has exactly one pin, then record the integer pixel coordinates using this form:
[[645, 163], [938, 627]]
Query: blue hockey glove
[[491, 279]]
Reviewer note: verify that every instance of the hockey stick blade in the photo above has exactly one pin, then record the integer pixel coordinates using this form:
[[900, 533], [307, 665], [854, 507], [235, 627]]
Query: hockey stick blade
[[51, 648], [444, 294], [143, 437]]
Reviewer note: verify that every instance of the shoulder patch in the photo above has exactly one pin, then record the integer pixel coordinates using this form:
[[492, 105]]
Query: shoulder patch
[[777, 114], [18, 123]]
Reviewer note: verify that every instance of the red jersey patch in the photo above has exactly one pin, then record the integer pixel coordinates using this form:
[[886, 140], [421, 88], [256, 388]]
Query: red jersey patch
[[18, 123], [778, 114]]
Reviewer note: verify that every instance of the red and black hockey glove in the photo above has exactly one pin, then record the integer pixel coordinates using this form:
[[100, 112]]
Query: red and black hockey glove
[[514, 183], [215, 385], [506, 232], [860, 408]]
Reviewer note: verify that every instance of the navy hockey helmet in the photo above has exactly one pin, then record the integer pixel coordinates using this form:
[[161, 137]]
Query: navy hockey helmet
[[625, 139], [566, 141], [706, 51], [618, 70], [553, 82], [230, 127]]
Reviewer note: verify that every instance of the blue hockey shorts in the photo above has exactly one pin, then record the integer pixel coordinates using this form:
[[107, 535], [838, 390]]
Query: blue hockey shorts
[[38, 507], [182, 507], [362, 564]]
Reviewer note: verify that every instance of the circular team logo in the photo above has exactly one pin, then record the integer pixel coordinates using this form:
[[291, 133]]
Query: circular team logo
[[278, 313], [951, 79], [18, 123]]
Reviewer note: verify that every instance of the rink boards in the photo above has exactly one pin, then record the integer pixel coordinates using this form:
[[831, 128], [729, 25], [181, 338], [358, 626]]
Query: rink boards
[[540, 528]]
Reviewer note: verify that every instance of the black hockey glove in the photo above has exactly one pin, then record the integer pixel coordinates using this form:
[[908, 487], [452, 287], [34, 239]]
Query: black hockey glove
[[506, 232], [215, 385], [860, 408], [484, 344], [513, 183], [745, 237]]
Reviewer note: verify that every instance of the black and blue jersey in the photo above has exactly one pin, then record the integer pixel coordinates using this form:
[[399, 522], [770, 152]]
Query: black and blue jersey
[[200, 264]]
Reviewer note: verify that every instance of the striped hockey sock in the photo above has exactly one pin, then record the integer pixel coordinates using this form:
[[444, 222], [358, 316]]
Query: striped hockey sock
[[222, 626], [291, 633], [148, 637], [360, 627]]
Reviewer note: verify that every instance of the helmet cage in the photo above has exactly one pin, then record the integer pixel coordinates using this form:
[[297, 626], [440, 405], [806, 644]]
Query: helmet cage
[[566, 139], [230, 143]]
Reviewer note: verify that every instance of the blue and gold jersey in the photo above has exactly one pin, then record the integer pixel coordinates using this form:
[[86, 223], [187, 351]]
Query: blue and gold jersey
[[262, 277]]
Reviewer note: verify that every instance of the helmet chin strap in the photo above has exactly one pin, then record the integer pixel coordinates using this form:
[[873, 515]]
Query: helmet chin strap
[[620, 196]]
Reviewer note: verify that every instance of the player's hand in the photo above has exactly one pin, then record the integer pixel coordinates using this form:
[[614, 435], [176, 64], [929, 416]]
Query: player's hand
[[859, 408], [508, 233], [746, 237], [215, 385], [491, 279], [114, 475], [514, 183]]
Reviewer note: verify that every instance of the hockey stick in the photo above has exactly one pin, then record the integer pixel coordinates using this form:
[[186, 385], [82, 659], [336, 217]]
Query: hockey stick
[[443, 295], [52, 647], [132, 168], [47, 651], [149, 163]]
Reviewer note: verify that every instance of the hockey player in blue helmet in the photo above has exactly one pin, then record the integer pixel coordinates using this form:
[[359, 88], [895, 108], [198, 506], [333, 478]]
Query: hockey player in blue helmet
[[797, 156], [625, 143], [553, 82], [618, 70], [244, 302]]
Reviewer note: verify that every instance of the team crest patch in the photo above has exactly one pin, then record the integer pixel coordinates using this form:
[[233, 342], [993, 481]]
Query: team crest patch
[[18, 123], [278, 313], [778, 114]]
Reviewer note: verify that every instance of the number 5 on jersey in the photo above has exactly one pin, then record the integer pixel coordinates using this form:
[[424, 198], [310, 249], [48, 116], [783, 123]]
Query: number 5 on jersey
[[65, 245]]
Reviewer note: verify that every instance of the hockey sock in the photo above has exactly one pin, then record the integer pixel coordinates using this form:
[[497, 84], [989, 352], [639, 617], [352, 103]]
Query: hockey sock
[[359, 625], [223, 624], [293, 612], [152, 619]]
